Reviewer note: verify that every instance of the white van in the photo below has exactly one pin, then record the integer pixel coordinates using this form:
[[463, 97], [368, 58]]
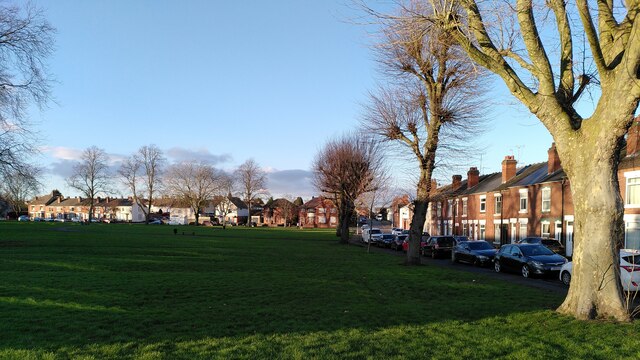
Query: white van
[[374, 234]]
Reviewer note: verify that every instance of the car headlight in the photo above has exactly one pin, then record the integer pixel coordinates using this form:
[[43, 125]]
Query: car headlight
[[537, 264], [482, 257]]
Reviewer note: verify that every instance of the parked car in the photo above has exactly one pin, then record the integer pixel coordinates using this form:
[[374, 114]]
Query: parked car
[[437, 246], [629, 270], [479, 253], [461, 238], [553, 244], [387, 240], [398, 241], [528, 260], [396, 231], [155, 222], [374, 234], [405, 244], [23, 218]]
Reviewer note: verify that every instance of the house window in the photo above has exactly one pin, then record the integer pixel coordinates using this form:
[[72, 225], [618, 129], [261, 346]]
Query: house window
[[333, 220], [465, 230], [439, 212], [523, 201], [482, 232], [449, 208], [546, 199], [633, 191], [632, 235], [464, 207], [483, 203], [523, 231], [322, 219], [546, 229], [498, 204]]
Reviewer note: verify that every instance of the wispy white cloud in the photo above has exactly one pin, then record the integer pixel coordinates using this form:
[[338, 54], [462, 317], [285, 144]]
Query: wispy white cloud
[[62, 152], [293, 182], [179, 154]]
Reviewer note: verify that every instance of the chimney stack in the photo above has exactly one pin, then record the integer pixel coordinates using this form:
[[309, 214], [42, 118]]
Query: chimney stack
[[455, 181], [554, 159], [473, 177], [633, 137], [508, 168], [434, 186]]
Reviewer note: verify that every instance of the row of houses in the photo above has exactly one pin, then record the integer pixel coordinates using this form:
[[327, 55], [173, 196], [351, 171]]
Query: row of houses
[[531, 200], [317, 213]]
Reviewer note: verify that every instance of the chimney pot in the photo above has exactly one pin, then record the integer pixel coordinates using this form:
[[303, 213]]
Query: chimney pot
[[508, 168], [633, 137], [554, 159], [473, 177], [456, 181]]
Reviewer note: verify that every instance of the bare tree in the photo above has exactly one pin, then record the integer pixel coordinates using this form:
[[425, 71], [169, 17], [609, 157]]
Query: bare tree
[[91, 176], [142, 173], [432, 102], [252, 181], [345, 169], [535, 47], [223, 203], [195, 183], [18, 187]]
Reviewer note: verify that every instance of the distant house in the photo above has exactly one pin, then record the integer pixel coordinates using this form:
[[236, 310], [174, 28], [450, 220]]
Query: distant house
[[40, 207], [124, 210], [319, 212], [178, 211], [281, 212]]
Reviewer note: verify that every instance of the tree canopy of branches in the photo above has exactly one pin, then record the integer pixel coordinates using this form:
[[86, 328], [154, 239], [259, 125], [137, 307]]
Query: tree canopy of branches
[[252, 181], [142, 172], [194, 183], [535, 47], [223, 202], [344, 169], [431, 103], [91, 175], [26, 41], [18, 187]]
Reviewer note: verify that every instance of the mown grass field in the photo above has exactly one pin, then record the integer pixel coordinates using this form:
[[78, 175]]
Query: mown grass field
[[113, 291]]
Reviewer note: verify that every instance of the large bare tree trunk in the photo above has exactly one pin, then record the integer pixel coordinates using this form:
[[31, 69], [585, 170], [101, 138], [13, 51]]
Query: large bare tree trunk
[[595, 290]]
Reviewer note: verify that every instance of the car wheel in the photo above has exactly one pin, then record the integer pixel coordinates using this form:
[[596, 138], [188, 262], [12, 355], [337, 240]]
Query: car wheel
[[525, 271], [454, 259], [566, 278], [476, 262], [496, 266], [433, 254]]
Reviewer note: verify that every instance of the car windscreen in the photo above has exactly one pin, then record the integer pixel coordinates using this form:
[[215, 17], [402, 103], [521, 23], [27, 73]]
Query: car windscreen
[[532, 241], [387, 236], [550, 242], [632, 259], [375, 231], [479, 245], [535, 250], [402, 237], [445, 241]]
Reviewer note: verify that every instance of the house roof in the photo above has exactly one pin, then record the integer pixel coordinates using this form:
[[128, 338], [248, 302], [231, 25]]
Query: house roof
[[317, 202], [529, 175], [46, 199]]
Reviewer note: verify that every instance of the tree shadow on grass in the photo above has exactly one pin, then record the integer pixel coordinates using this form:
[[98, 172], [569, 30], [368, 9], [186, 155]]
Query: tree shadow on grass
[[251, 289]]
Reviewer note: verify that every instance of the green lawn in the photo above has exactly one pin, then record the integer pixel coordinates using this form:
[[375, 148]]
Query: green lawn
[[135, 291]]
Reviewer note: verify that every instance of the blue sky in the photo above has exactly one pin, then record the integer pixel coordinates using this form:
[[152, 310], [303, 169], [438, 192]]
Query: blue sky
[[225, 81]]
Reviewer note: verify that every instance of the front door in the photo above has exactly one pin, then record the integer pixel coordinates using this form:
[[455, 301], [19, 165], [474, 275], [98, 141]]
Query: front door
[[569, 239]]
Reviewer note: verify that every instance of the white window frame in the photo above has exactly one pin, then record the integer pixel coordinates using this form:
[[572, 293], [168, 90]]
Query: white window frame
[[524, 195], [482, 232], [497, 197], [542, 226], [547, 191], [465, 207], [483, 204], [631, 175], [449, 208]]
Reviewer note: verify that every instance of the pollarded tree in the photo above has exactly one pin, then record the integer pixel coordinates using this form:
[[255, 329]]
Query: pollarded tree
[[91, 176], [432, 103], [142, 172], [345, 169], [534, 47], [194, 183]]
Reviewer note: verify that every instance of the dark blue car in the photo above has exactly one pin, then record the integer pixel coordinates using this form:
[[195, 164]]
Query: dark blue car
[[479, 253], [528, 260]]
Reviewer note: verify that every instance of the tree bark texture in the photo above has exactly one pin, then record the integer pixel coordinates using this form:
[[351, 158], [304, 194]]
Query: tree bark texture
[[595, 290]]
